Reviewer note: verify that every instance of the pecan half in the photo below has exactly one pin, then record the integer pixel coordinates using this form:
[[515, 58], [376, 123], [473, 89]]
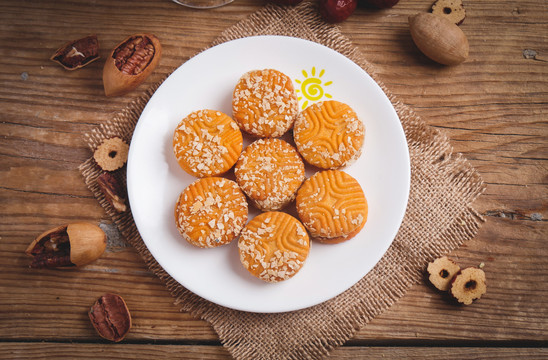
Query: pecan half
[[130, 63], [78, 53], [110, 317], [113, 191]]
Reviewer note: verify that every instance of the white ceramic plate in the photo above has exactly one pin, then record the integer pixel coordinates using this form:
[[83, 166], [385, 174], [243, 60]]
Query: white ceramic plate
[[207, 81]]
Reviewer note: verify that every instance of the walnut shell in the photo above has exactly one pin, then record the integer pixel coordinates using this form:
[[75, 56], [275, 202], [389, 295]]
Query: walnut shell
[[438, 38], [118, 75], [69, 245]]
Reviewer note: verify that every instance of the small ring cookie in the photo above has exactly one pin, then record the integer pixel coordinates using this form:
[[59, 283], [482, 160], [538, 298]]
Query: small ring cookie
[[264, 103], [452, 10], [207, 143], [329, 134], [211, 212], [111, 154], [332, 206], [270, 171], [273, 246]]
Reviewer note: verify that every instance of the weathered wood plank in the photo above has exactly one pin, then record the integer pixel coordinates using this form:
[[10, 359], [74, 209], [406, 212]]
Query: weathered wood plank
[[20, 351]]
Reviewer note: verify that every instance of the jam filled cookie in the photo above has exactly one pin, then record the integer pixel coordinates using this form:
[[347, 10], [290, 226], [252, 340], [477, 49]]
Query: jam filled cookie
[[329, 134], [211, 212], [264, 103], [111, 154], [332, 206], [207, 143], [270, 171], [273, 246]]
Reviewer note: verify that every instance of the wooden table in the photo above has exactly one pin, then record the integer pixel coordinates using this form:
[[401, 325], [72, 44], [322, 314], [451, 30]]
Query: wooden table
[[493, 107]]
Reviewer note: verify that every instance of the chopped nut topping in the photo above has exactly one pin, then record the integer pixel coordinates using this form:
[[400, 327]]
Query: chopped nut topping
[[265, 103]]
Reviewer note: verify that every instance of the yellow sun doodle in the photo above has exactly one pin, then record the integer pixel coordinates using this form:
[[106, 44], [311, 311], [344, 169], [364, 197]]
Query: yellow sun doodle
[[312, 87]]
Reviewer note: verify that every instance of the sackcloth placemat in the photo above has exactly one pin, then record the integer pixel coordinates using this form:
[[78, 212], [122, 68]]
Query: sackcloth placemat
[[438, 219]]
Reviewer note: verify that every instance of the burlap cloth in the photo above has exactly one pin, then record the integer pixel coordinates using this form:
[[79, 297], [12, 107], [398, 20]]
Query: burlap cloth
[[439, 218]]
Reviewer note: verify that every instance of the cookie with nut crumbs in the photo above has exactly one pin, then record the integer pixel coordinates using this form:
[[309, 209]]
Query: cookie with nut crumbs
[[211, 212], [111, 154], [270, 171], [273, 246], [332, 206], [264, 103], [207, 143], [329, 134]]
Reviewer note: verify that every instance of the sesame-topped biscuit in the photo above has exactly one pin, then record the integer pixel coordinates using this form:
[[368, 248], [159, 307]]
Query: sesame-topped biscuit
[[332, 206], [207, 143], [270, 171], [211, 212], [273, 246], [264, 103], [329, 134]]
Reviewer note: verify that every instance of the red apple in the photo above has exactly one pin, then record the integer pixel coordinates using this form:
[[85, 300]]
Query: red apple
[[334, 11], [381, 4]]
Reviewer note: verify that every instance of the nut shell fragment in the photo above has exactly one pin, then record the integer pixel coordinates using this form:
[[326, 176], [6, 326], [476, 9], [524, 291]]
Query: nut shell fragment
[[78, 53], [113, 191], [130, 63], [442, 271], [110, 317], [468, 285], [69, 245]]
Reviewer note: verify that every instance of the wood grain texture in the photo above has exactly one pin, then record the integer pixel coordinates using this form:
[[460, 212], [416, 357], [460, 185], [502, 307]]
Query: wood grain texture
[[21, 351], [493, 108]]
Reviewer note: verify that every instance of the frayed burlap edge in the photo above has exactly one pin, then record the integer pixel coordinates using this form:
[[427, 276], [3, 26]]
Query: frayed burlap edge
[[439, 218]]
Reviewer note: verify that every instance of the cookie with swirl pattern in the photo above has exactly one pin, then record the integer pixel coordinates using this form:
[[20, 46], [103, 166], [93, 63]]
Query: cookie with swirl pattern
[[329, 134], [332, 206], [273, 246]]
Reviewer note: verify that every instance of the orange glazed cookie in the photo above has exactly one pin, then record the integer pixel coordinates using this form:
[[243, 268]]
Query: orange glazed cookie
[[207, 143], [270, 171], [332, 206], [211, 212], [329, 134], [273, 246], [264, 103]]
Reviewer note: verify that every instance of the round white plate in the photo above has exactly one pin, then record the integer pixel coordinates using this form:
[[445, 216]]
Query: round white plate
[[154, 178]]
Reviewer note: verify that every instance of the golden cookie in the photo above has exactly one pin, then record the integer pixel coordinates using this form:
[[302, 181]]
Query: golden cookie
[[273, 246], [211, 212], [270, 171], [332, 206], [264, 103], [207, 143], [342, 238], [111, 154], [329, 134]]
